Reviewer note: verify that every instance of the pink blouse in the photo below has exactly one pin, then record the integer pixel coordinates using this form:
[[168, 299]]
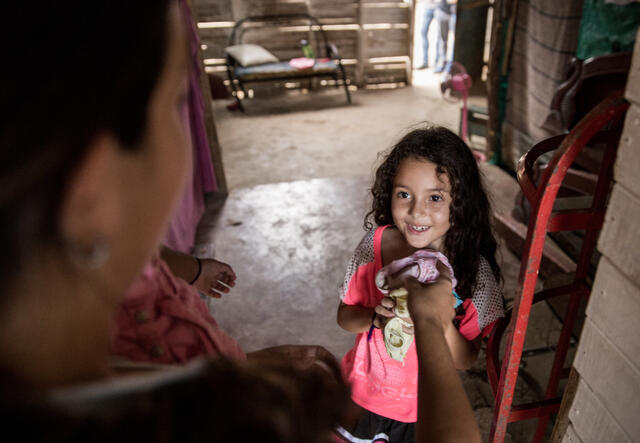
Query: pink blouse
[[162, 319], [379, 383]]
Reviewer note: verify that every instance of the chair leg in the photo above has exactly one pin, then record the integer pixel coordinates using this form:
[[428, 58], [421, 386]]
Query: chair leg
[[344, 80], [234, 88]]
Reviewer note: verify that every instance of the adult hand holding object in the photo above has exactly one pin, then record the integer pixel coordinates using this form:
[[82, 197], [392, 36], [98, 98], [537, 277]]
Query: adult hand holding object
[[442, 402]]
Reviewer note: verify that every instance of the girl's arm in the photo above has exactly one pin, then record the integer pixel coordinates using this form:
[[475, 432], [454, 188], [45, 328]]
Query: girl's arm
[[357, 319], [354, 318], [463, 352]]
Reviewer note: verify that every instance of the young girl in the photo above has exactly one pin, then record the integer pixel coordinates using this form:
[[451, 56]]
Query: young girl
[[427, 194]]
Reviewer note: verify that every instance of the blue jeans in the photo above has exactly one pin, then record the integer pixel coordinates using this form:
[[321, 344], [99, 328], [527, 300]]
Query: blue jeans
[[429, 12], [445, 22]]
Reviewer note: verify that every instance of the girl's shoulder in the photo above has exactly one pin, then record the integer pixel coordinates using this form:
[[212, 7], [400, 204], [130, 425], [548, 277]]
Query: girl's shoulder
[[486, 285], [374, 238]]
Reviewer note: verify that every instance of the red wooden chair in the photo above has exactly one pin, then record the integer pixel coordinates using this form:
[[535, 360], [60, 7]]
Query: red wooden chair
[[601, 126]]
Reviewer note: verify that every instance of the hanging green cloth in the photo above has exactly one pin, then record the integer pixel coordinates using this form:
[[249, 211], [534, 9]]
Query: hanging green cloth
[[607, 28]]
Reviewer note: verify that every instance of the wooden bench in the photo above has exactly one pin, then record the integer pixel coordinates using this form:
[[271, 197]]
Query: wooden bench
[[327, 62]]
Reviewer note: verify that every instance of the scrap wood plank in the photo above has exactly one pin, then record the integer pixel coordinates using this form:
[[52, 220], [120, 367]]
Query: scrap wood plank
[[503, 190]]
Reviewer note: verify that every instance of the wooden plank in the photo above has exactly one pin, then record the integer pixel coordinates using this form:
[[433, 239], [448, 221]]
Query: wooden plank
[[214, 10], [386, 42], [212, 133], [246, 8], [614, 304], [346, 41], [323, 9], [215, 40], [633, 83], [591, 420], [503, 191], [571, 436], [611, 376], [617, 241], [362, 45], [284, 42], [562, 419], [377, 76], [628, 160], [395, 13]]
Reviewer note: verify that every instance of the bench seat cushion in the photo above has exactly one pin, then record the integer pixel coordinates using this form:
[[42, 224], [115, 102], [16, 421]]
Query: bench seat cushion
[[283, 70]]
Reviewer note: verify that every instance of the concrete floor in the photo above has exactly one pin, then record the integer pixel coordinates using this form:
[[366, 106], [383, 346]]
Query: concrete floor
[[318, 135], [299, 170]]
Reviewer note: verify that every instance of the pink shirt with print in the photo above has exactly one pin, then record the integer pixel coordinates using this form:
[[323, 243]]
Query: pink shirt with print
[[379, 383]]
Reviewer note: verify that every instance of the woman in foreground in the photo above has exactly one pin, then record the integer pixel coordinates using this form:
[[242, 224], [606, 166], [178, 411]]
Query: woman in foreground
[[93, 158]]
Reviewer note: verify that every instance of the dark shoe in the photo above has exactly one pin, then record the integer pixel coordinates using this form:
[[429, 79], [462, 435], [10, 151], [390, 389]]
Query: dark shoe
[[422, 67]]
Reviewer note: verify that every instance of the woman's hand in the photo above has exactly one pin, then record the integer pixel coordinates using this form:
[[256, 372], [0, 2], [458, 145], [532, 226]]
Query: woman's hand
[[432, 301], [215, 278], [384, 312]]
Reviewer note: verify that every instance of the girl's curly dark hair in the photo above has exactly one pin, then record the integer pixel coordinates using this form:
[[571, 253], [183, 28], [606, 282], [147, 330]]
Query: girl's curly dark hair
[[470, 235]]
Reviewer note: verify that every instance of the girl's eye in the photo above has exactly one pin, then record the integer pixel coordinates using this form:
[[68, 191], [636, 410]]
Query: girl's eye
[[403, 194], [435, 198]]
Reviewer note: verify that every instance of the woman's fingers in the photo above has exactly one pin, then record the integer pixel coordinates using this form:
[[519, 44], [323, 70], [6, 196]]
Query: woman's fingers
[[408, 329], [388, 303]]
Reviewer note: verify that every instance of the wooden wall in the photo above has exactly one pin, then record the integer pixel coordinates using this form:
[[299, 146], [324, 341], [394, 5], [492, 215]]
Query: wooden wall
[[606, 406], [373, 37]]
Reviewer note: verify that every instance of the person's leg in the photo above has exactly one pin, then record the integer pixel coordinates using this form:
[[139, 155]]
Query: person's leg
[[428, 18], [443, 24], [452, 27]]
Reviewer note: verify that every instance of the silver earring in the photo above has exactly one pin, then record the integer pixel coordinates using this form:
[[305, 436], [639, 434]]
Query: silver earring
[[93, 257]]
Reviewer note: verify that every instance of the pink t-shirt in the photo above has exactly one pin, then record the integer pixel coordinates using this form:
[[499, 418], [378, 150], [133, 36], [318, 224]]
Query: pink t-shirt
[[379, 383]]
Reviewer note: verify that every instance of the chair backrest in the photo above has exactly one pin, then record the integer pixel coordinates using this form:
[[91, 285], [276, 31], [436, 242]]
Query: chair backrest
[[588, 83], [602, 125], [284, 45]]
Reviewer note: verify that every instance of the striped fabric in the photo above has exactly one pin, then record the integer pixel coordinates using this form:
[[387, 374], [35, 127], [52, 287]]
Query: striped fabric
[[545, 40]]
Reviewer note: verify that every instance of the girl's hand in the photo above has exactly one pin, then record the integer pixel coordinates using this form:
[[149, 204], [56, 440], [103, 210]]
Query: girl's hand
[[213, 272], [384, 313]]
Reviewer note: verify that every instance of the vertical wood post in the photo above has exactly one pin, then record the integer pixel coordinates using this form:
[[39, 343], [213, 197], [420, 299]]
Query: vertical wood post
[[212, 133]]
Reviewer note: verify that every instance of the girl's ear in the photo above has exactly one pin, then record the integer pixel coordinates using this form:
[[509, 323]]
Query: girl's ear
[[90, 208]]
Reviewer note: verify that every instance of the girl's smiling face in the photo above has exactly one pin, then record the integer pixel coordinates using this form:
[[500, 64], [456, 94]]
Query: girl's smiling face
[[420, 203]]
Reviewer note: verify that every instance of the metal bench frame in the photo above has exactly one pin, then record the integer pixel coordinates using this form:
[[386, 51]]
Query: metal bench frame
[[329, 51]]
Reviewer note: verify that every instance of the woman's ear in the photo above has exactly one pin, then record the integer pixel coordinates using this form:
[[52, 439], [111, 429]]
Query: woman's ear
[[91, 209]]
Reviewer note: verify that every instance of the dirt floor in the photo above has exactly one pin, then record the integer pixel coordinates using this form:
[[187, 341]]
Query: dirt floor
[[299, 167]]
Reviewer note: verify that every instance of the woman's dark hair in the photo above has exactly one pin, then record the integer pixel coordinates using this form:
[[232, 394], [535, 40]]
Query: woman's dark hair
[[219, 402], [69, 70], [470, 235]]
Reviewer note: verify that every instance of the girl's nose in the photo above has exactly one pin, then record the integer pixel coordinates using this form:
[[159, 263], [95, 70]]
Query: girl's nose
[[418, 208]]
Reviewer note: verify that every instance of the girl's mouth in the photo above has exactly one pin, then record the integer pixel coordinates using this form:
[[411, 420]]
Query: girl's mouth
[[418, 229]]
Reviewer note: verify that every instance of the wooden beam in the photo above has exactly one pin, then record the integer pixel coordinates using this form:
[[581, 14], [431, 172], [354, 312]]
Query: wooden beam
[[212, 133]]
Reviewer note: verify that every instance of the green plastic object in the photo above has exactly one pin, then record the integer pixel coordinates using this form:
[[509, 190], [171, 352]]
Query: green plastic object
[[606, 28], [307, 50]]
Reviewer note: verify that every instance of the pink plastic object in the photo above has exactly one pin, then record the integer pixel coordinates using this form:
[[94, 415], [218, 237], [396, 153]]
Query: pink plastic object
[[462, 83], [302, 62], [421, 265]]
